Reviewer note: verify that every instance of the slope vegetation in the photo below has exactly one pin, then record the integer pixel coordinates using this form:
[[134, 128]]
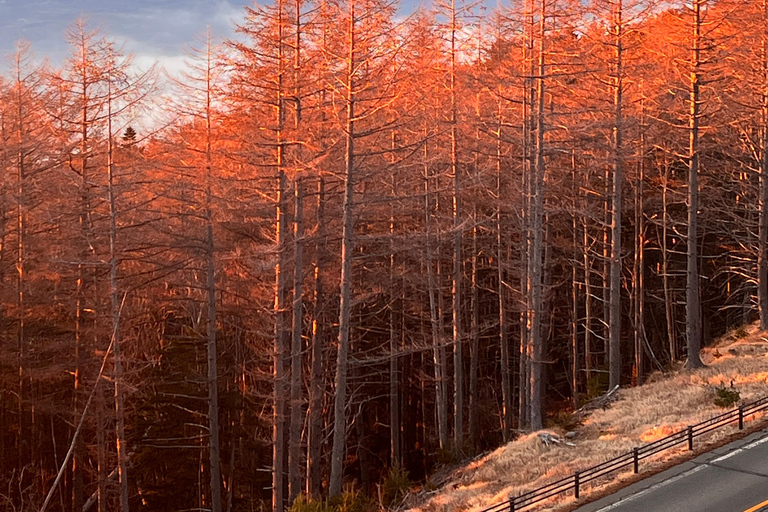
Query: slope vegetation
[[666, 404]]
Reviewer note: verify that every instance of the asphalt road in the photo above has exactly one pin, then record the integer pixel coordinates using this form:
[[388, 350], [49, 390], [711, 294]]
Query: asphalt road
[[733, 478]]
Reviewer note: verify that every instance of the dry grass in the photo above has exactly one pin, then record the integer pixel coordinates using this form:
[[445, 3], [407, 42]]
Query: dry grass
[[664, 405]]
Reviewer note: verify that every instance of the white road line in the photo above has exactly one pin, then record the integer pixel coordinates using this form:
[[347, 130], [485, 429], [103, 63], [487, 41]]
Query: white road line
[[688, 473]]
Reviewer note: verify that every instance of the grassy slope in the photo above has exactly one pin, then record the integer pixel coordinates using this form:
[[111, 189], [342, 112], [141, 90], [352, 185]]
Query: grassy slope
[[665, 405]]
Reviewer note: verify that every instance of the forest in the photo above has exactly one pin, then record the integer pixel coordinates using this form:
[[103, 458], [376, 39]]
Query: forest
[[353, 242]]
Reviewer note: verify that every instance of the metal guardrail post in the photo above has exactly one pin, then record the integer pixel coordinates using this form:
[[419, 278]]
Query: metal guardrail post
[[576, 484], [741, 417], [636, 459], [690, 439], [512, 504]]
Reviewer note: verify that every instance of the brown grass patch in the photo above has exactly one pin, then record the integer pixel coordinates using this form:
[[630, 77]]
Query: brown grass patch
[[663, 406]]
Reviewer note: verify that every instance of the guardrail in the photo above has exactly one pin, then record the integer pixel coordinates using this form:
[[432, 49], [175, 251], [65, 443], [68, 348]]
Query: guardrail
[[633, 458]]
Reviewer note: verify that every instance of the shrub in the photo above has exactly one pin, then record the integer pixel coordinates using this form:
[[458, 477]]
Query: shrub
[[565, 420], [597, 384], [348, 501], [740, 332], [395, 487], [726, 397], [445, 457], [302, 504], [351, 501]]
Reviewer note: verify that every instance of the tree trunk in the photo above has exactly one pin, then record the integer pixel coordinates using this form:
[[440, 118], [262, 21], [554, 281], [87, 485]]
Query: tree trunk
[[529, 98], [395, 454], [692, 304], [282, 331], [122, 459], [438, 352], [668, 304], [574, 294], [101, 446], [316, 391], [587, 298], [458, 359], [211, 327], [474, 345], [347, 241], [297, 400], [616, 202], [535, 308], [762, 247], [506, 377], [639, 263]]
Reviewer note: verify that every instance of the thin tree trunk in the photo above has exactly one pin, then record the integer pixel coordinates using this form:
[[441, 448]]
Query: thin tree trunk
[[438, 353], [574, 295], [762, 248], [347, 236], [122, 459], [83, 220], [101, 446], [616, 202], [297, 400], [282, 331], [506, 377], [668, 304], [474, 344], [315, 436], [535, 309], [210, 284], [639, 263], [295, 483], [21, 227], [692, 302], [458, 360], [394, 375]]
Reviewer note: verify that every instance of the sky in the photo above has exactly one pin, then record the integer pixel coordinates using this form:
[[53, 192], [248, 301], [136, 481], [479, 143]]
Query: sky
[[153, 30]]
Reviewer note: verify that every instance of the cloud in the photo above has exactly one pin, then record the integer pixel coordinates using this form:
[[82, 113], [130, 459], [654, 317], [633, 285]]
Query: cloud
[[158, 29]]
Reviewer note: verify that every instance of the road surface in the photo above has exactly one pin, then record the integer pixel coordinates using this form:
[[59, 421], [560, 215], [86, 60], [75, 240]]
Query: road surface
[[733, 478]]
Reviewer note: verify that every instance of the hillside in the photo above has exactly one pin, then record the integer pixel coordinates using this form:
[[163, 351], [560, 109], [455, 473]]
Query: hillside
[[664, 405]]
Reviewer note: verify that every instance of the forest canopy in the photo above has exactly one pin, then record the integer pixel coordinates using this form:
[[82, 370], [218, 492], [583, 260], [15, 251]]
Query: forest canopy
[[361, 245]]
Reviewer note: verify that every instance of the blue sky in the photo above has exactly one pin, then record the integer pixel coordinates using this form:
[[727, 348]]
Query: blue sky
[[151, 29]]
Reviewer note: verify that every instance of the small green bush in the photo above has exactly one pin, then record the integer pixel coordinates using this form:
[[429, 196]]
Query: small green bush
[[395, 487], [726, 397], [565, 420], [597, 385], [351, 501], [302, 504], [445, 457], [740, 332], [348, 501]]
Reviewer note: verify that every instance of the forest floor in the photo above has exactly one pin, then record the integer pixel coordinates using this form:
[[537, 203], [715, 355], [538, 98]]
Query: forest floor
[[665, 404]]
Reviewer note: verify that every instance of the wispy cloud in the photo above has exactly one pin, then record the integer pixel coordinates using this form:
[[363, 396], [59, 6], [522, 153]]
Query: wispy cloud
[[151, 29]]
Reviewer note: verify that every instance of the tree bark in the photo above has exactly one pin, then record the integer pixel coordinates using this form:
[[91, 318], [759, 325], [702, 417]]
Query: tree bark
[[395, 454], [122, 460], [347, 241], [458, 359], [297, 400], [282, 330], [614, 344], [506, 377], [474, 344], [692, 303], [762, 247], [535, 308], [316, 391], [638, 275], [438, 352]]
